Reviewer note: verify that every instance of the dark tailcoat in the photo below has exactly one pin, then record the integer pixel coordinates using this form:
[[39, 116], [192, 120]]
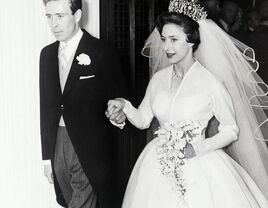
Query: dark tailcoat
[[82, 105]]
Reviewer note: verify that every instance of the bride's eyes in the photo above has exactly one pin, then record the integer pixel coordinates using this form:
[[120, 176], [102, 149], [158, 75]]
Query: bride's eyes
[[173, 40]]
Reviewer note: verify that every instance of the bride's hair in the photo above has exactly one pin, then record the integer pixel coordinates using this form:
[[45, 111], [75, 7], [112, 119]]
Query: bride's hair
[[190, 27]]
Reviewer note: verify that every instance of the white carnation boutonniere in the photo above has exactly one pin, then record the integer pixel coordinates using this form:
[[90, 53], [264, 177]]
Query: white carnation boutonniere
[[83, 59]]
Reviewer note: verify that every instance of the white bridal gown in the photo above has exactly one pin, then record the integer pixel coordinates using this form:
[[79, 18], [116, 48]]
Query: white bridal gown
[[213, 179]]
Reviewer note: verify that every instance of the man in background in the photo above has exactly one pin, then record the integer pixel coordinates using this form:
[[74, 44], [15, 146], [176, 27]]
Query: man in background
[[212, 7], [259, 41], [230, 17]]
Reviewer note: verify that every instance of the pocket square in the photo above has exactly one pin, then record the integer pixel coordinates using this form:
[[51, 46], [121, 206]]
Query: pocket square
[[86, 77]]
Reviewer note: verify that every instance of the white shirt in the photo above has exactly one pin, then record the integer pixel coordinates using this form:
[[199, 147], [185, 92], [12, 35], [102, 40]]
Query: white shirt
[[69, 51]]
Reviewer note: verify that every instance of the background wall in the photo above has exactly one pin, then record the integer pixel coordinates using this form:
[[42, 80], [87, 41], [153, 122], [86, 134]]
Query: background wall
[[24, 32]]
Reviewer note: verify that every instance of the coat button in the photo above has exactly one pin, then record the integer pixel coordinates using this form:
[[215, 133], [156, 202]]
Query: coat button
[[62, 107]]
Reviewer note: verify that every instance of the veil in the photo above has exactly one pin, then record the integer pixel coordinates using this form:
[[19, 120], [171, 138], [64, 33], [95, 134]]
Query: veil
[[234, 64]]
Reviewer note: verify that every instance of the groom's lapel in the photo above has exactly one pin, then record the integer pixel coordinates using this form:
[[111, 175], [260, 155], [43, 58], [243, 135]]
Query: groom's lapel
[[53, 65], [75, 69]]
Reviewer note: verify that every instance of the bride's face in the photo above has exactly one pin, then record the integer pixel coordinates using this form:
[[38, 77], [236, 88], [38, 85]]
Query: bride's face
[[174, 43]]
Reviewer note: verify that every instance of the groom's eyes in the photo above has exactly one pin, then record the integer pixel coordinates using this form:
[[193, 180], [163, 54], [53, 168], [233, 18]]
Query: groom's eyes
[[58, 16]]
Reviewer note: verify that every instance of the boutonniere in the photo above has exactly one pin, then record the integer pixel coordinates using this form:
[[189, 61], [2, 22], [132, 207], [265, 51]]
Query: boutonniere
[[83, 59]]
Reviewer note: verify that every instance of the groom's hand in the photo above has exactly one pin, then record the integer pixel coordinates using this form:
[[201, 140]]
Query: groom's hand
[[118, 117], [48, 173], [115, 110]]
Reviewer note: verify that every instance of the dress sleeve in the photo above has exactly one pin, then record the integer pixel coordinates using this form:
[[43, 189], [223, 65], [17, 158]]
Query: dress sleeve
[[141, 117], [223, 110]]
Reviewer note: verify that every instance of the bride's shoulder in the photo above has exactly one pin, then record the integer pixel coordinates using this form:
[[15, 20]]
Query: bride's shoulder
[[208, 77]]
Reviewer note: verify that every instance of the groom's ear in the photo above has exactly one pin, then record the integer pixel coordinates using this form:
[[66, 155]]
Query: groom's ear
[[78, 15]]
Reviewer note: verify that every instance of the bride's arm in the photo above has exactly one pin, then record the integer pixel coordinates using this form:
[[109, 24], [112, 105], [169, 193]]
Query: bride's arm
[[140, 117], [223, 110]]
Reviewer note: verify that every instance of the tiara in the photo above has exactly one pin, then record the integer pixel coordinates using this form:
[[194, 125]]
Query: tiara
[[189, 8]]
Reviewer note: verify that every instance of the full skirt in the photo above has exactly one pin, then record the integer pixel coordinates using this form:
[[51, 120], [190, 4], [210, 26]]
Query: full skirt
[[213, 180]]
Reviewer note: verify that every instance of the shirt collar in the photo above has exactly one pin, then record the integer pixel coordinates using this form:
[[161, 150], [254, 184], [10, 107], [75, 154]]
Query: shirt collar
[[71, 45]]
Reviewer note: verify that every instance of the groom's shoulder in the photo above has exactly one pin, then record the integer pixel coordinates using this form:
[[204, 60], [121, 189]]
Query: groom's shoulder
[[101, 45], [51, 47]]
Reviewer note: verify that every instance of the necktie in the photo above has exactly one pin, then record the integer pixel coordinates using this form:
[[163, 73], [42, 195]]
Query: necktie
[[62, 55], [63, 72]]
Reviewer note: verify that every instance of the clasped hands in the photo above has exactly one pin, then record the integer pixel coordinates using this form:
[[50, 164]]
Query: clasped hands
[[116, 114], [115, 111]]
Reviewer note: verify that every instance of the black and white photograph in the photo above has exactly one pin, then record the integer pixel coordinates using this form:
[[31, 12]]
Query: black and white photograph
[[134, 104]]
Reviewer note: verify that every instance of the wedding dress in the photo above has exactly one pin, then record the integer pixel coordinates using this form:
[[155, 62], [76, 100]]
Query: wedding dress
[[212, 179]]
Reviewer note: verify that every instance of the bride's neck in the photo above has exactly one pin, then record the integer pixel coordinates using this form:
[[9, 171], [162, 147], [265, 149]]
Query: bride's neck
[[184, 65]]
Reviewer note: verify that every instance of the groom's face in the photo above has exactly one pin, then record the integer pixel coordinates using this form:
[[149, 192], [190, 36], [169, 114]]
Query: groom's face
[[62, 22]]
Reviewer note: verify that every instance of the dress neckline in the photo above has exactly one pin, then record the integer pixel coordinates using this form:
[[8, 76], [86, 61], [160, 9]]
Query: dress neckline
[[185, 75], [191, 69]]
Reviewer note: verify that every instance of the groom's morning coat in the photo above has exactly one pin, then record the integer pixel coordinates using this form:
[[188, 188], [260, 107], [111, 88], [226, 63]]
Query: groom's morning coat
[[82, 105]]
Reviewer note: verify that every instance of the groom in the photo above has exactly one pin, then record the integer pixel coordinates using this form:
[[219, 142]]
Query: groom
[[78, 75]]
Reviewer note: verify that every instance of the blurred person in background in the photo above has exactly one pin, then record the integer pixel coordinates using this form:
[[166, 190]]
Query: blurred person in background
[[212, 8], [230, 17], [250, 21], [259, 41]]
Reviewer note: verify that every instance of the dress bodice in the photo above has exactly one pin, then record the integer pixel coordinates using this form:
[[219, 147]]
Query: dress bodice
[[199, 97], [190, 102]]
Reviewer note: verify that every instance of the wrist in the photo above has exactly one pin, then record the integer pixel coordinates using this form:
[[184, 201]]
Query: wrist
[[122, 101]]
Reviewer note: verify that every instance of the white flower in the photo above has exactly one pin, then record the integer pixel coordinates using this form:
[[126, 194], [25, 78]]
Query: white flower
[[178, 134], [181, 144], [83, 59]]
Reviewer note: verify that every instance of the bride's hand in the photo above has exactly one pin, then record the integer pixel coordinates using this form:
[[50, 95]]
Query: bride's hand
[[115, 110]]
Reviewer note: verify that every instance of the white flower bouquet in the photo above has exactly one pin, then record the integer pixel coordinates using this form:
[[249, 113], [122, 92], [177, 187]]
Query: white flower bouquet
[[170, 149]]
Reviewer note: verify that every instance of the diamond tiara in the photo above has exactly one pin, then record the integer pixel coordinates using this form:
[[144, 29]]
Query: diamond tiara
[[189, 8]]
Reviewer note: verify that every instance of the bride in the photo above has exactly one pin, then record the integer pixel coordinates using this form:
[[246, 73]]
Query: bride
[[203, 74]]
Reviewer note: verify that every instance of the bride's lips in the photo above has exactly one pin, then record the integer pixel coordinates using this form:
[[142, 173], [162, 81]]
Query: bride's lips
[[169, 55]]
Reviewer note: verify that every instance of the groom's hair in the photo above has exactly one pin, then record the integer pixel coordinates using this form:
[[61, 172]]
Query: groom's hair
[[74, 4]]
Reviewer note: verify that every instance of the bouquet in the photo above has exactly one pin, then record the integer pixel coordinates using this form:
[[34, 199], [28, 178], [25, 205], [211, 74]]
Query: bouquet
[[170, 149]]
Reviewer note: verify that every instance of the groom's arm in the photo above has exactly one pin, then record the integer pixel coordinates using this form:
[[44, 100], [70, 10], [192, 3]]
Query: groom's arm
[[45, 129], [112, 72], [115, 83], [44, 122]]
